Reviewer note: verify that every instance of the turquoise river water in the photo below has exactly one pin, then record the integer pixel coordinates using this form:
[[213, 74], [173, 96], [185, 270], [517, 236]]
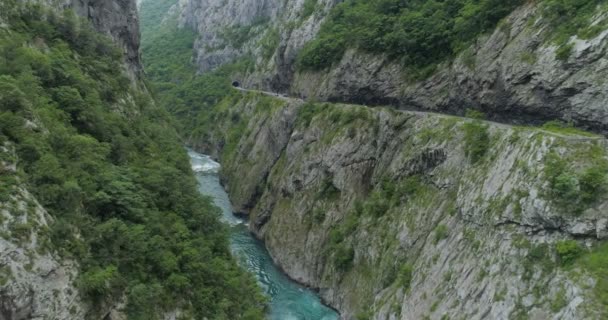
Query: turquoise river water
[[288, 300]]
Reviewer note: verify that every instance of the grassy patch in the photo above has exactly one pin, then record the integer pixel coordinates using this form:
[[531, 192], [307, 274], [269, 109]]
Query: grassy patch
[[5, 275], [559, 301], [343, 258], [307, 113], [564, 51], [328, 191], [568, 251], [308, 8], [568, 18], [270, 42], [405, 276], [538, 257], [566, 129]]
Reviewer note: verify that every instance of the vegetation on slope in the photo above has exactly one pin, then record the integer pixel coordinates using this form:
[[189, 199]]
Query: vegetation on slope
[[572, 17], [576, 189], [419, 33], [167, 50], [167, 56], [422, 34], [101, 158]]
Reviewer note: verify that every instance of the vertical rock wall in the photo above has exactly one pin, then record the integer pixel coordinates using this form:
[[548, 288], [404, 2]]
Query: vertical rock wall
[[386, 214]]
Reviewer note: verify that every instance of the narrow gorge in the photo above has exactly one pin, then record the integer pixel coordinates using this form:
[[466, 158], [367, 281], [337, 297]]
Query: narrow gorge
[[452, 181], [303, 159], [288, 300], [401, 214]]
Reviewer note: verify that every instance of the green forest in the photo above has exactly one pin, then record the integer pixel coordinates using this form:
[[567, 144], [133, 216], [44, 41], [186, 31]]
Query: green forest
[[104, 160]]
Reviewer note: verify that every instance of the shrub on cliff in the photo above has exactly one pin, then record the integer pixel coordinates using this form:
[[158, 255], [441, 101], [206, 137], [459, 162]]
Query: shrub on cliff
[[441, 232], [576, 189], [477, 140], [405, 276], [568, 251], [343, 257]]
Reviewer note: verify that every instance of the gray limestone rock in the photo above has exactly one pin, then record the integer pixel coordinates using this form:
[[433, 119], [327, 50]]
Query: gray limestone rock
[[500, 223]]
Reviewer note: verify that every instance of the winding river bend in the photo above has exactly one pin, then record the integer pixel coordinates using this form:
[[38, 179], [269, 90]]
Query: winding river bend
[[288, 300]]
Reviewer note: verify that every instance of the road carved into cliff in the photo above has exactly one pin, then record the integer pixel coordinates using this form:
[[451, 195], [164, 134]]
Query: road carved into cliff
[[572, 136]]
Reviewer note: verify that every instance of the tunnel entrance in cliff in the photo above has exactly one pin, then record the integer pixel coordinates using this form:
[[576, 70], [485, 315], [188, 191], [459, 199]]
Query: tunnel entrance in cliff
[[236, 84]]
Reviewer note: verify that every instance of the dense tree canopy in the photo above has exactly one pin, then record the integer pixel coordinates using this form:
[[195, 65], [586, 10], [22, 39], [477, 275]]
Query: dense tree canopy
[[103, 160]]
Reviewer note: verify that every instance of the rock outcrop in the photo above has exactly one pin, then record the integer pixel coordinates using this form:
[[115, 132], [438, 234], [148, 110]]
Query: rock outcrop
[[271, 32], [35, 283], [394, 215], [119, 19], [116, 18], [513, 74]]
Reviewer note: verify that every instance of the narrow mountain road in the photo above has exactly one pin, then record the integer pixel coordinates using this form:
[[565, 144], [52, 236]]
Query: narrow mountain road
[[272, 94], [572, 136]]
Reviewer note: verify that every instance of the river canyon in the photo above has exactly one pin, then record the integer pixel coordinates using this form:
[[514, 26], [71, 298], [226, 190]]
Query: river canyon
[[303, 159], [288, 300]]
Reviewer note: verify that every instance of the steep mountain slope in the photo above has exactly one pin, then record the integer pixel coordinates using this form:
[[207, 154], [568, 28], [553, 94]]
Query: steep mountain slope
[[115, 18], [545, 60], [100, 217], [400, 215]]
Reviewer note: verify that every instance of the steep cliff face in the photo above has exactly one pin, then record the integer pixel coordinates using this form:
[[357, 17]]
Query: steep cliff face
[[34, 282], [404, 215], [396, 214], [271, 32], [513, 73], [116, 18]]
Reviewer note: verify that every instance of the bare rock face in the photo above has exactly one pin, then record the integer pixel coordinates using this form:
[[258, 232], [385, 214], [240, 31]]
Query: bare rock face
[[119, 19], [347, 198], [116, 18], [219, 22], [283, 26], [34, 282]]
